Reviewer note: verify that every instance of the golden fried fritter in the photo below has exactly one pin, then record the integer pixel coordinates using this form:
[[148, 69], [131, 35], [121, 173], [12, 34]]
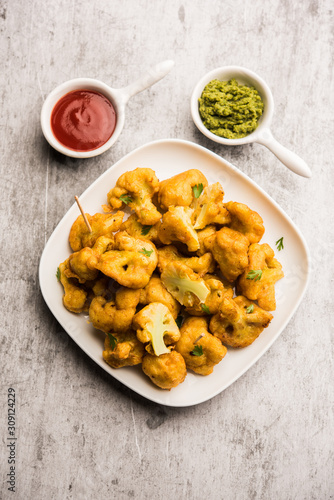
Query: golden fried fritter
[[176, 225], [101, 224], [200, 265], [107, 317], [75, 297], [165, 371], [125, 349], [209, 207], [155, 291], [210, 350], [203, 234], [134, 228], [218, 290], [267, 271], [236, 327], [178, 190], [246, 221], [82, 263]]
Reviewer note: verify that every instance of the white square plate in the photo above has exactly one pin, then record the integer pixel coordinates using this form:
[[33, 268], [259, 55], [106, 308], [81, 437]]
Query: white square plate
[[169, 157]]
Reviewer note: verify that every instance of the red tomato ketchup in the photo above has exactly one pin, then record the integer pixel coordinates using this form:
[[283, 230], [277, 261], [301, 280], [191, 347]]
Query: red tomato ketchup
[[83, 120]]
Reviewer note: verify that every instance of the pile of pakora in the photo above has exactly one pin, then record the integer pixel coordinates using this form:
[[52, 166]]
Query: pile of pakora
[[175, 282]]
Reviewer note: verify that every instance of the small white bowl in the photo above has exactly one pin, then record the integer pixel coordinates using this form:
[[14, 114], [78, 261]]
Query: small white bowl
[[117, 97], [262, 133]]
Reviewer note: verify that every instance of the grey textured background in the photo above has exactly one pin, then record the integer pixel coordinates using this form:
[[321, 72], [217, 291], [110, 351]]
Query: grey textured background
[[81, 434]]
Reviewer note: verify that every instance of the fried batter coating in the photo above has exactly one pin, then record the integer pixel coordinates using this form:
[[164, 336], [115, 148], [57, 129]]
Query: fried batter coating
[[132, 261], [261, 258], [178, 190], [212, 348], [82, 263], [134, 228], [187, 287], [105, 316], [155, 291], [165, 371], [74, 298], [209, 207], [230, 250], [218, 290], [101, 224], [234, 326], [176, 225], [137, 188], [246, 221], [127, 352], [200, 265], [203, 234]]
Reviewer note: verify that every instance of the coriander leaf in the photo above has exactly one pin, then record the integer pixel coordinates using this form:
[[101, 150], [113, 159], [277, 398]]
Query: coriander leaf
[[126, 199], [112, 340], [205, 308], [250, 309], [179, 320], [197, 190], [145, 252], [254, 274], [279, 244], [58, 274], [197, 351], [146, 230]]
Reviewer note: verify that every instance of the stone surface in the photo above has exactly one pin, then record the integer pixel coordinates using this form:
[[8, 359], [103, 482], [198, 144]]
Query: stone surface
[[81, 434]]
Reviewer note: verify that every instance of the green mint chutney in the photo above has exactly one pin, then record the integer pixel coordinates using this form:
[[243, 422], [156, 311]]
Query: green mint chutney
[[230, 110]]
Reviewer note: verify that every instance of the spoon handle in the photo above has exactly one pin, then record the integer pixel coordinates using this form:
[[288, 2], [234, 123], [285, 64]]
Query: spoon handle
[[152, 76], [287, 157]]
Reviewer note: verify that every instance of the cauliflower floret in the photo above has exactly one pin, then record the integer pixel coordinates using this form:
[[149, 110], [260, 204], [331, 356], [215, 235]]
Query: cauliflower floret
[[258, 279], [229, 248], [209, 351], [134, 228], [209, 207], [218, 290], [155, 291], [136, 189], [246, 221], [200, 265], [239, 322], [123, 349], [101, 225], [82, 263], [74, 298], [132, 261], [165, 371], [107, 317], [178, 190], [176, 225], [156, 327], [185, 285], [202, 235]]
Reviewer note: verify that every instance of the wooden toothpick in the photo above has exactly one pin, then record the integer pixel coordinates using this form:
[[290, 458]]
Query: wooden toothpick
[[83, 214]]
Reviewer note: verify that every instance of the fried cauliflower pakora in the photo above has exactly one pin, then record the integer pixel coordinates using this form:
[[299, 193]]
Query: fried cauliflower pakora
[[136, 189], [107, 316], [177, 191], [101, 225], [75, 297], [186, 286], [239, 321], [83, 263], [230, 250], [266, 271], [123, 349], [246, 221], [218, 290], [209, 207], [131, 263], [176, 225], [155, 291], [200, 265], [166, 371], [134, 228], [194, 331]]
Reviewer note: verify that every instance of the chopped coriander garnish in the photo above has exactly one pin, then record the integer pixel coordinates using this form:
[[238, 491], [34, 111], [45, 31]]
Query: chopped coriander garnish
[[112, 340], [250, 309], [145, 252], [254, 274], [197, 190], [279, 244], [205, 308], [146, 230], [58, 274], [197, 350], [126, 199], [179, 320]]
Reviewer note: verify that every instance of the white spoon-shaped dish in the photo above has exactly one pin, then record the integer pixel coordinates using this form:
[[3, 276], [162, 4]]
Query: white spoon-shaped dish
[[262, 133]]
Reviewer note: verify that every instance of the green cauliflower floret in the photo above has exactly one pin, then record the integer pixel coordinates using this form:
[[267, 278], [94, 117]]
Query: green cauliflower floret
[[136, 189], [155, 326], [209, 207], [185, 285], [176, 225]]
